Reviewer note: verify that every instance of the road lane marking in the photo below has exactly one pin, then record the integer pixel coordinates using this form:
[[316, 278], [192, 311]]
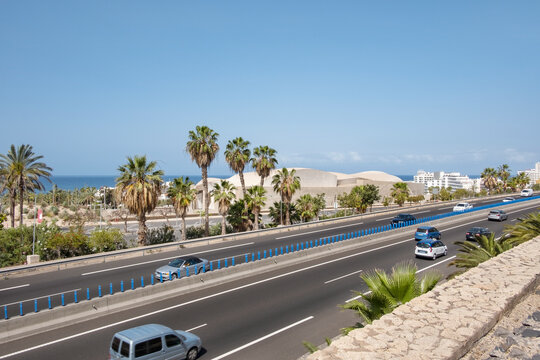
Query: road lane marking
[[421, 212], [262, 338], [385, 218], [341, 277], [15, 287], [168, 258], [41, 297], [196, 327], [316, 231]]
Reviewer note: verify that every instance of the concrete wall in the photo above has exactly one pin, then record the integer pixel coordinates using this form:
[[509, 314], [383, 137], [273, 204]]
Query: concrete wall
[[446, 322]]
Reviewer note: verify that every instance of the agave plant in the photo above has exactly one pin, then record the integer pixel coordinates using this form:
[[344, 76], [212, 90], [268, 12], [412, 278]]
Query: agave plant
[[388, 291]]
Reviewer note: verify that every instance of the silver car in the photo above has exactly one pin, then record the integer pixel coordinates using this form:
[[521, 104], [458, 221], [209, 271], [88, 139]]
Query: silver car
[[498, 215], [155, 342], [184, 265]]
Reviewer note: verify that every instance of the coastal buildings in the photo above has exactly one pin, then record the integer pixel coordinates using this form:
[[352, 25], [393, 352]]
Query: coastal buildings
[[533, 174], [440, 179]]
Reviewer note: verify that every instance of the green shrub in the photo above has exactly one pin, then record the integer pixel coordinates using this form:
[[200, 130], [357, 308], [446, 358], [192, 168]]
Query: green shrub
[[65, 245], [107, 240], [54, 210], [26, 210], [194, 232], [13, 246], [162, 235]]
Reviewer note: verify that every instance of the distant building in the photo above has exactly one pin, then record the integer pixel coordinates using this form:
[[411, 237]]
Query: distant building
[[440, 179], [533, 174]]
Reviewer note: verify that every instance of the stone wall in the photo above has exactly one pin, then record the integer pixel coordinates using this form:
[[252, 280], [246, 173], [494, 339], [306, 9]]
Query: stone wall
[[446, 322]]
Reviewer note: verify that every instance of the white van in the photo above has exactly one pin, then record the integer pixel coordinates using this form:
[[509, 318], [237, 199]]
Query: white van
[[155, 342], [526, 192]]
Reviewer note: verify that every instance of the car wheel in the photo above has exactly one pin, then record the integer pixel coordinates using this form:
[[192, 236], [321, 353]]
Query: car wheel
[[199, 270], [434, 256], [192, 354], [445, 252], [439, 238]]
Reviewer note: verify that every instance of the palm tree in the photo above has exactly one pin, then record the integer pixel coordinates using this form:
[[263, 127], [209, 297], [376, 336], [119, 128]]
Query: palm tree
[[237, 155], [400, 193], [489, 177], [224, 195], [256, 200], [470, 254], [182, 193], [203, 148], [264, 161], [390, 291], [138, 187], [286, 183], [9, 184], [504, 173], [526, 229], [306, 206], [24, 172], [522, 180]]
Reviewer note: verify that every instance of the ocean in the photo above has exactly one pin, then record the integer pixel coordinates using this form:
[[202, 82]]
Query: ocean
[[70, 182]]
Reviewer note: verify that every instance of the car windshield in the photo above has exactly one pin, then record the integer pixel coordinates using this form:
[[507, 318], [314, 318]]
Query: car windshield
[[176, 262], [460, 205], [423, 245], [475, 229], [420, 230], [494, 212]]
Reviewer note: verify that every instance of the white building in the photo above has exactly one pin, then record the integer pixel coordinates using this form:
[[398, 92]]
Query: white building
[[440, 179], [533, 174]]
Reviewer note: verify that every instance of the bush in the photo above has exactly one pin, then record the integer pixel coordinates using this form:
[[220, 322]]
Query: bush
[[13, 251], [194, 232], [54, 210], [65, 245], [107, 240], [164, 234]]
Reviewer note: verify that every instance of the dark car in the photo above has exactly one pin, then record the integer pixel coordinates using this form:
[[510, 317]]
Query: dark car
[[477, 231], [427, 232], [402, 218]]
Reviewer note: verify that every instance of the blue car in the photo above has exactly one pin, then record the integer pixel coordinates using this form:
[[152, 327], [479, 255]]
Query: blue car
[[427, 232]]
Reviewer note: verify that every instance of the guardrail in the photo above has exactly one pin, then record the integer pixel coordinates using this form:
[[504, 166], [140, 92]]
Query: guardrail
[[20, 308], [151, 249]]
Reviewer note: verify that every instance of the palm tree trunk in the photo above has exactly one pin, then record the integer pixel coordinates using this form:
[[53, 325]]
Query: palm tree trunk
[[241, 174], [206, 201], [262, 181], [12, 195], [21, 201], [141, 234], [287, 216], [256, 213], [223, 227], [184, 228]]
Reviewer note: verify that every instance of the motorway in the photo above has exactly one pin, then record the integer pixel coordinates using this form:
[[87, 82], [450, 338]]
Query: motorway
[[265, 316]]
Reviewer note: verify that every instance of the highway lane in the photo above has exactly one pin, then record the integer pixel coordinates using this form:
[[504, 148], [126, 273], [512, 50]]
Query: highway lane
[[241, 313], [40, 285]]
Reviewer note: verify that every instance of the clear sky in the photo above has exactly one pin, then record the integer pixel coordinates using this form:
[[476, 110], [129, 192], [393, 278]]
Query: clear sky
[[345, 86]]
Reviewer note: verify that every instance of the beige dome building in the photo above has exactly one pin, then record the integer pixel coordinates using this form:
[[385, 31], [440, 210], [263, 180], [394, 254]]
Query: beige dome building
[[313, 181]]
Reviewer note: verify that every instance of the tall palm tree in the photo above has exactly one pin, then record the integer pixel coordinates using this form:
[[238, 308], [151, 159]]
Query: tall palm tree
[[286, 183], [24, 171], [264, 161], [256, 199], [489, 178], [525, 229], [400, 193], [182, 193], [8, 184], [224, 195], [504, 173], [237, 154], [522, 180], [388, 291], [203, 148], [138, 187]]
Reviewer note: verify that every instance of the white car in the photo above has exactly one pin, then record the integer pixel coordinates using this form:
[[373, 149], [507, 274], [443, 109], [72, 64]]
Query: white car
[[508, 199], [430, 248], [526, 192], [462, 206]]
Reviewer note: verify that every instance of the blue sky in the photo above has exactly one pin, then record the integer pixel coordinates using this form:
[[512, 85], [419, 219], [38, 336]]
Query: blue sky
[[335, 85]]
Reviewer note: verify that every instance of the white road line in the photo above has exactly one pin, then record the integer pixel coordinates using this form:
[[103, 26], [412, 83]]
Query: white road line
[[418, 271], [316, 231], [341, 277], [41, 297], [385, 219], [444, 208], [262, 338], [421, 212], [196, 327], [15, 287], [167, 258]]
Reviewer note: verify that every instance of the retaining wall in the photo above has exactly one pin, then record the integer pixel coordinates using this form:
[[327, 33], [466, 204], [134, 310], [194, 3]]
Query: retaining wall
[[446, 322]]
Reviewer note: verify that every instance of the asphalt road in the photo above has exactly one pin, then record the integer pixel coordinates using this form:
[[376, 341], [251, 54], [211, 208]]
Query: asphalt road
[[40, 286], [261, 317]]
